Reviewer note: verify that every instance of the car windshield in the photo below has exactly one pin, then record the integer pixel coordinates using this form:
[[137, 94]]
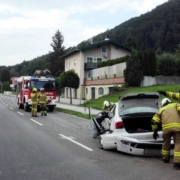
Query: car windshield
[[47, 85], [135, 110]]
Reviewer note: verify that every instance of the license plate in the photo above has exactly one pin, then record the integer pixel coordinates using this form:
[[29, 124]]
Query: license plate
[[156, 152]]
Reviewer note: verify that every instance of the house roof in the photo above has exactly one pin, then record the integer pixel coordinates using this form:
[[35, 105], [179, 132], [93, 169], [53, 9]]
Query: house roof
[[96, 45]]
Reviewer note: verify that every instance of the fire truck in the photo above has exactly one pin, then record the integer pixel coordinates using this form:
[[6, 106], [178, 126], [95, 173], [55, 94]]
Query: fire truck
[[25, 85]]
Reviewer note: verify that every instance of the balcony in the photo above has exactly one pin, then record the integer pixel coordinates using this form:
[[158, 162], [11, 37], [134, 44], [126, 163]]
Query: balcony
[[89, 66]]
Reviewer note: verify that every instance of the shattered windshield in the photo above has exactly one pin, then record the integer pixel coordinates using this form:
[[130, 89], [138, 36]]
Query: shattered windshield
[[46, 84]]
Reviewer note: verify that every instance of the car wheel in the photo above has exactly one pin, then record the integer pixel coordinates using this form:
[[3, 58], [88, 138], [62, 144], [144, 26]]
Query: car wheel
[[100, 143]]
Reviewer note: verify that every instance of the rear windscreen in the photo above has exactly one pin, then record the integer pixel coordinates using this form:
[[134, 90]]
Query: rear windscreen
[[139, 110]]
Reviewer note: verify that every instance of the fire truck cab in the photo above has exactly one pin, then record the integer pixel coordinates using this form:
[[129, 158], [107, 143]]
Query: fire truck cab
[[25, 84]]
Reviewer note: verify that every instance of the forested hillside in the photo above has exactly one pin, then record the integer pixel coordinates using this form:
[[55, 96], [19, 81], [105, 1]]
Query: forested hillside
[[158, 29]]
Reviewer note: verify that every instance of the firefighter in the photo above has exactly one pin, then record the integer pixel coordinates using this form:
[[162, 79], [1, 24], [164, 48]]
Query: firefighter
[[107, 105], [168, 116], [42, 102], [34, 99]]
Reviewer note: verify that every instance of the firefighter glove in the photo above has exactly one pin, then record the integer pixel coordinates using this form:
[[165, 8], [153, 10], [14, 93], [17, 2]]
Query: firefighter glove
[[162, 93], [155, 135]]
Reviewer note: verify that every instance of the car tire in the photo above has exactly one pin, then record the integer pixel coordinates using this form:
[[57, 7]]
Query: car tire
[[100, 143]]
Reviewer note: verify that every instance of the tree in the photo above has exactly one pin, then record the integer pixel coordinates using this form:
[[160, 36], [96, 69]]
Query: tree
[[5, 75], [133, 73], [69, 79], [56, 63]]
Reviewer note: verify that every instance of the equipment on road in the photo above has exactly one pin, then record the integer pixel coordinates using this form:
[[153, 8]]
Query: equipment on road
[[27, 84]]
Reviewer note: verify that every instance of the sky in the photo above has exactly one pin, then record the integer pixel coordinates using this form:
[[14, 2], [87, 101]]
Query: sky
[[27, 26]]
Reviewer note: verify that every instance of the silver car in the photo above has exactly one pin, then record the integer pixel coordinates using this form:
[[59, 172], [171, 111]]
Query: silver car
[[130, 125]]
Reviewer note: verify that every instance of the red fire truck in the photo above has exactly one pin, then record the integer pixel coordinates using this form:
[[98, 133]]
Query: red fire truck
[[25, 84]]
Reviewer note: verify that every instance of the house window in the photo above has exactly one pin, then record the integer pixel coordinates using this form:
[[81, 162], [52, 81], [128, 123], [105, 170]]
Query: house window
[[99, 60], [75, 62], [103, 49], [66, 65], [101, 91], [89, 59], [86, 90]]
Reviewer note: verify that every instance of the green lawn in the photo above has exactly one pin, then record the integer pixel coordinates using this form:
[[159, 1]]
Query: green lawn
[[98, 103]]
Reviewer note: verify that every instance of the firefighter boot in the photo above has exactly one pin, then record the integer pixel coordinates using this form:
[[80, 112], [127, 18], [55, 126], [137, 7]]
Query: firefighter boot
[[45, 114], [177, 166]]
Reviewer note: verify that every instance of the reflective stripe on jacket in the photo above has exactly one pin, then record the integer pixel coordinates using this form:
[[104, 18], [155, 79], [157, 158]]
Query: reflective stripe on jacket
[[42, 98], [34, 98], [169, 117]]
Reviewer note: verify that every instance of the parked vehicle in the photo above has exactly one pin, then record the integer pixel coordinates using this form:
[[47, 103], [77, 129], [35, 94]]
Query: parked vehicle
[[25, 84], [130, 125]]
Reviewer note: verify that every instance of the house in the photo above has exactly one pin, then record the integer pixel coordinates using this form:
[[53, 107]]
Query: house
[[96, 82], [13, 82]]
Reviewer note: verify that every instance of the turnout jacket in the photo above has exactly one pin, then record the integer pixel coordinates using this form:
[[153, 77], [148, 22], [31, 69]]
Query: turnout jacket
[[34, 98], [169, 118], [173, 95], [42, 98]]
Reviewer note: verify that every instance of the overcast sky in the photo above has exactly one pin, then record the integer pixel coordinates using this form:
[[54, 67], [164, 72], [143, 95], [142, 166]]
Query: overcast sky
[[27, 26]]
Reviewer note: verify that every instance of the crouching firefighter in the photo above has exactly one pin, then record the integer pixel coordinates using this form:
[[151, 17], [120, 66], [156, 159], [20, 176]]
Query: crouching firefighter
[[42, 102], [169, 118], [103, 117]]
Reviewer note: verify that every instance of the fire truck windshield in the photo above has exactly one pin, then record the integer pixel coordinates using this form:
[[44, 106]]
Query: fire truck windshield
[[47, 85]]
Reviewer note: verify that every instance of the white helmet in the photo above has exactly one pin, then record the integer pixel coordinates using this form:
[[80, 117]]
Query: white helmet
[[106, 103], [165, 101], [42, 89]]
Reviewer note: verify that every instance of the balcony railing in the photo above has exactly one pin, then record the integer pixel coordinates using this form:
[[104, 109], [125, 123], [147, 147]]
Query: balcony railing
[[89, 66]]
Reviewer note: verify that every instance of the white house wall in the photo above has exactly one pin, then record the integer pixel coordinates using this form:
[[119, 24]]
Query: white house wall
[[118, 52], [108, 70]]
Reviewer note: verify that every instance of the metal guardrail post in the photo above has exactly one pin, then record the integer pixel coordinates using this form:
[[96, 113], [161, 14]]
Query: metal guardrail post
[[89, 112]]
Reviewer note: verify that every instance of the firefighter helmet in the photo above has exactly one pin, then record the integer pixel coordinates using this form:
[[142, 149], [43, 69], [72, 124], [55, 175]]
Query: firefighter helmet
[[34, 89], [165, 101], [106, 103], [42, 89]]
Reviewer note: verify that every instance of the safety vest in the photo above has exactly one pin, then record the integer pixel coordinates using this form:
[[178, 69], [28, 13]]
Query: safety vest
[[169, 118], [34, 98], [42, 98], [172, 95]]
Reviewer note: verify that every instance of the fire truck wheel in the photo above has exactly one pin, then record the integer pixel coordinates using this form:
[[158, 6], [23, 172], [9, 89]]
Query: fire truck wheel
[[51, 109], [26, 107]]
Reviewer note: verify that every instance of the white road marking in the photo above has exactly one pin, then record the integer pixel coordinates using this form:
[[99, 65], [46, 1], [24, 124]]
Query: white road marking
[[6, 105], [20, 113], [36, 122], [11, 108], [70, 139]]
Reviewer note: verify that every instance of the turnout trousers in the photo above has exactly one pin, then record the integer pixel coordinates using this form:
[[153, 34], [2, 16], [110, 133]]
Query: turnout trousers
[[43, 108], [34, 110], [167, 146]]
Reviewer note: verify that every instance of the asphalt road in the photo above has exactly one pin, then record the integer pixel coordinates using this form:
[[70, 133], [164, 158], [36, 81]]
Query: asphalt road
[[61, 147]]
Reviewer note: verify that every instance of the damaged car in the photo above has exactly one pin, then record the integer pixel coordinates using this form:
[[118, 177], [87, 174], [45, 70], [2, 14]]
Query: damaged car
[[130, 125]]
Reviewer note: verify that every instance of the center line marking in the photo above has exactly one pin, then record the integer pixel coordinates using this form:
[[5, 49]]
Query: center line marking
[[36, 122], [11, 108], [20, 113], [85, 147]]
